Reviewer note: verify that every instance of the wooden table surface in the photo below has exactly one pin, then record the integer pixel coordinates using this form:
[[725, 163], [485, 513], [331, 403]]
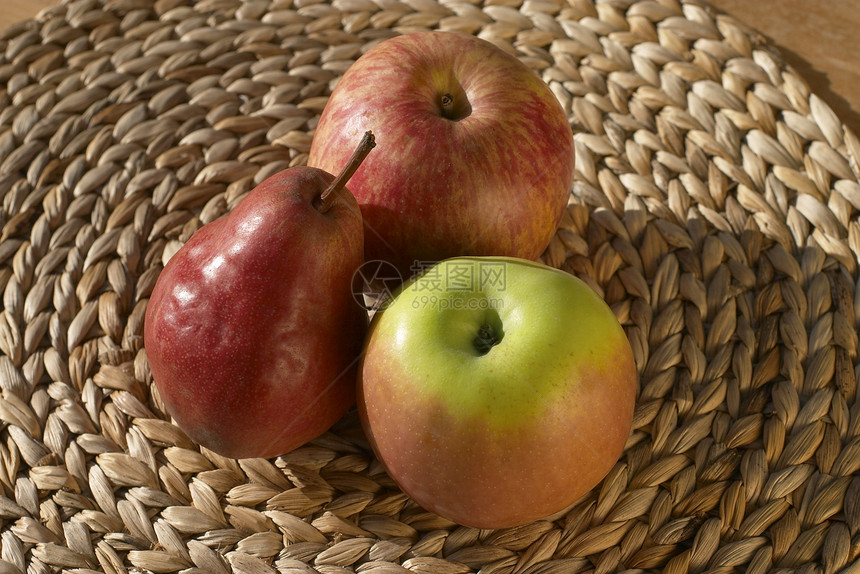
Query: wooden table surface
[[817, 37]]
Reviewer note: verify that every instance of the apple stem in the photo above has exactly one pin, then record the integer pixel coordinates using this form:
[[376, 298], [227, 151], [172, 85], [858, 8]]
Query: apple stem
[[327, 197], [486, 339], [447, 104], [454, 107]]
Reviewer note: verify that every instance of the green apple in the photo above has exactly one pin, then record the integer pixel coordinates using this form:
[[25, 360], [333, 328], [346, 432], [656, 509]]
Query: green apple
[[496, 391]]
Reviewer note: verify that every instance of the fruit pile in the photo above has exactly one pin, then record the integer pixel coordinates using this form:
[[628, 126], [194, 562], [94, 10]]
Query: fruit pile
[[494, 390]]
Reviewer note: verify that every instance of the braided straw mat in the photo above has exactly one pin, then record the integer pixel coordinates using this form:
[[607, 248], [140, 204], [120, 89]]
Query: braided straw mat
[[715, 208]]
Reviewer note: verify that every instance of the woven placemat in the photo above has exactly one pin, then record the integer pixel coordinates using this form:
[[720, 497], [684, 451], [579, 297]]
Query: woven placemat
[[715, 208]]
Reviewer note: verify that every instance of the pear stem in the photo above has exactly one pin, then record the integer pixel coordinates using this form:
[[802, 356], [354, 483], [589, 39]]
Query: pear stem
[[328, 196]]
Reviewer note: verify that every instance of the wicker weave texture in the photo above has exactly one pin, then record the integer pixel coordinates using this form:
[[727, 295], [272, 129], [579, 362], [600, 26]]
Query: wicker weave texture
[[715, 208]]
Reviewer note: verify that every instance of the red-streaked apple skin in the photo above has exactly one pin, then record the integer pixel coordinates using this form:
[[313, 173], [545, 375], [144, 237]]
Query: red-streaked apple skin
[[495, 182], [251, 331], [540, 426]]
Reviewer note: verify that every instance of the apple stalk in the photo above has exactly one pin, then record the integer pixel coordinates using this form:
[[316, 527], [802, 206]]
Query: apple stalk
[[488, 337], [454, 107], [327, 197]]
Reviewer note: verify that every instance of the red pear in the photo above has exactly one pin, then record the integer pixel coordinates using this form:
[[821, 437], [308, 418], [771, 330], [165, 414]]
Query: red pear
[[252, 333]]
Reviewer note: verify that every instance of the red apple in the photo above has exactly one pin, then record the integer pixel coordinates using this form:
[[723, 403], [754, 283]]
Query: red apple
[[479, 156]]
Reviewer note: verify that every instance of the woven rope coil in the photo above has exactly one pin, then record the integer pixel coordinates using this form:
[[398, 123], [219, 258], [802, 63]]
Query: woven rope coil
[[715, 208]]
